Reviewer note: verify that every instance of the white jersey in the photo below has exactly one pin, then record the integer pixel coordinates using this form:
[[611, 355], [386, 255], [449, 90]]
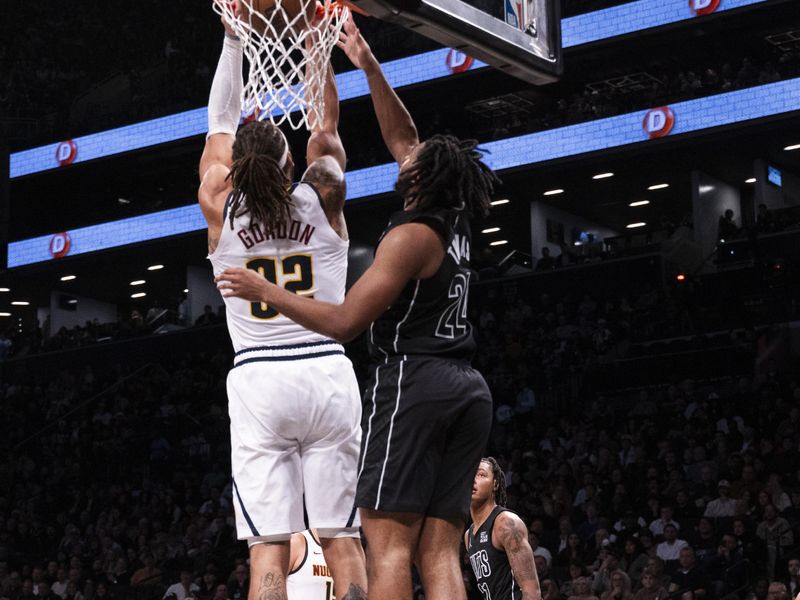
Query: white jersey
[[312, 579], [304, 255]]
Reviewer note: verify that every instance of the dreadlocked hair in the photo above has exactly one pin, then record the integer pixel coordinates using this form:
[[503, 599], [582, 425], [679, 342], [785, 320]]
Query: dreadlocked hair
[[259, 182], [499, 480], [449, 173]]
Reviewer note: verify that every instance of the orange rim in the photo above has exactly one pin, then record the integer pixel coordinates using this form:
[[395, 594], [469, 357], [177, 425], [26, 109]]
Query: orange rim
[[337, 5]]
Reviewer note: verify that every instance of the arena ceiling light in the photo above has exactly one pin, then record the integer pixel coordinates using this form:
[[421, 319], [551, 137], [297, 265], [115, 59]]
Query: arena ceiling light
[[792, 147], [20, 303], [68, 277], [490, 230], [139, 295], [658, 186], [634, 225], [602, 175], [500, 201], [499, 243], [751, 180], [640, 203], [5, 289], [555, 192], [5, 314], [155, 267], [138, 282], [186, 291]]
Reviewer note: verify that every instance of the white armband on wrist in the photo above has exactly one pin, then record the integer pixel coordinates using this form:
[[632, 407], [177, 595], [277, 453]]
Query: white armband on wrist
[[225, 99]]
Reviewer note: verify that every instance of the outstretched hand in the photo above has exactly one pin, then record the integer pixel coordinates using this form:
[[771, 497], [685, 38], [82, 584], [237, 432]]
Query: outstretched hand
[[354, 45]]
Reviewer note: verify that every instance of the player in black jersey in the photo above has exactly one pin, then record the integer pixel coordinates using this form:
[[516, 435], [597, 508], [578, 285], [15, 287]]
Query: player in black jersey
[[427, 411], [497, 541]]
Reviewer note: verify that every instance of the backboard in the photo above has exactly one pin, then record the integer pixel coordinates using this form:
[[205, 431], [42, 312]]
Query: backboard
[[519, 37]]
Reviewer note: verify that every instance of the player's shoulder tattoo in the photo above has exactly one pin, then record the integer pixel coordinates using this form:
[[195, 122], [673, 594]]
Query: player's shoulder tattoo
[[511, 531]]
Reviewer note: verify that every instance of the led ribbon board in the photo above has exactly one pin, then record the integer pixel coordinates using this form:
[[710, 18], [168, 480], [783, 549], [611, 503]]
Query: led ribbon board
[[576, 31], [614, 132]]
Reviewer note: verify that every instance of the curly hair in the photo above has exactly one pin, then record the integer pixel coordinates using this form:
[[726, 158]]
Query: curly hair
[[259, 181], [449, 173], [499, 480]]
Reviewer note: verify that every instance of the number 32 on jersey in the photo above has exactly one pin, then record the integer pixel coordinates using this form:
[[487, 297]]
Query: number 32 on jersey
[[294, 272]]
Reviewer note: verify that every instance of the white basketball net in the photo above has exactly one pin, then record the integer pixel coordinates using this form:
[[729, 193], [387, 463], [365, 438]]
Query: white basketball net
[[287, 57]]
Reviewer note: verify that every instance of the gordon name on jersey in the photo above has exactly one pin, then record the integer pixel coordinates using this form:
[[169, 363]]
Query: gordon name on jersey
[[294, 231], [302, 254]]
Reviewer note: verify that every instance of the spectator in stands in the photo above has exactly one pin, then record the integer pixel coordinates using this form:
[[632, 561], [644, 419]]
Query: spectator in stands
[[665, 518], [574, 572], [777, 591], [793, 579], [546, 262], [727, 228], [723, 505], [633, 560], [777, 534], [669, 550], [221, 593], [765, 221], [704, 541], [239, 583], [183, 589], [727, 569], [59, 586], [207, 318], [538, 550], [620, 588], [148, 574], [690, 580], [651, 589], [581, 590]]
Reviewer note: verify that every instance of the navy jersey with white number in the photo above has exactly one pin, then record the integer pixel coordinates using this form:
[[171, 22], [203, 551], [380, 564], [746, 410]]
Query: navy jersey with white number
[[430, 315], [490, 565]]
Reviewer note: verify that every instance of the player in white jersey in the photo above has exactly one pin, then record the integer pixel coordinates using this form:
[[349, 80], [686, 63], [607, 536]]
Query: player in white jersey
[[293, 399], [309, 577]]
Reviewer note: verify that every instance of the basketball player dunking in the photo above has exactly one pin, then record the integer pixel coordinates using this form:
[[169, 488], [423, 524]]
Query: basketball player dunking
[[293, 398], [429, 412], [497, 541]]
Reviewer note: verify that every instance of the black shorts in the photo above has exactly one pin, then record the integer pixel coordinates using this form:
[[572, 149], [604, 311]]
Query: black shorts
[[425, 425]]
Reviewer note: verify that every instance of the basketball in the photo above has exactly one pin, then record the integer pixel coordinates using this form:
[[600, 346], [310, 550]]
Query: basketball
[[265, 10]]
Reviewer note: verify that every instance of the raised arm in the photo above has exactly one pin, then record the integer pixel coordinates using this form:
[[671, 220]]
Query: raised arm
[[224, 105], [224, 111], [325, 153], [397, 127], [511, 535]]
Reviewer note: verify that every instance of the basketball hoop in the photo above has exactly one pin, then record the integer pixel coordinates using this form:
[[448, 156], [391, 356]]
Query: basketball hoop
[[288, 48]]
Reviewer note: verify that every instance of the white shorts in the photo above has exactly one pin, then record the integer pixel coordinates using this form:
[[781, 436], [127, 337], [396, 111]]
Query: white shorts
[[295, 438]]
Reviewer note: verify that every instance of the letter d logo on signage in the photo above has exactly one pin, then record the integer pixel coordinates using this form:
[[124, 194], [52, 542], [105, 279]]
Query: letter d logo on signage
[[658, 122], [60, 245], [457, 61], [703, 7], [66, 153]]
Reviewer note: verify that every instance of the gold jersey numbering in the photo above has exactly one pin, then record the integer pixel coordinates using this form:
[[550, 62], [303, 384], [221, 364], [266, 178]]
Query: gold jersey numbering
[[296, 267]]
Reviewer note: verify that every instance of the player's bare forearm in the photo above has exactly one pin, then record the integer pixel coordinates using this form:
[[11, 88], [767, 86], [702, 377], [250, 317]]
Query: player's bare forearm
[[513, 536], [331, 118], [397, 127]]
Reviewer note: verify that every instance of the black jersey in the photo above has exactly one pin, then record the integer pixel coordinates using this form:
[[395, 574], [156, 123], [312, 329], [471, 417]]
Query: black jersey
[[430, 315], [490, 565]]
